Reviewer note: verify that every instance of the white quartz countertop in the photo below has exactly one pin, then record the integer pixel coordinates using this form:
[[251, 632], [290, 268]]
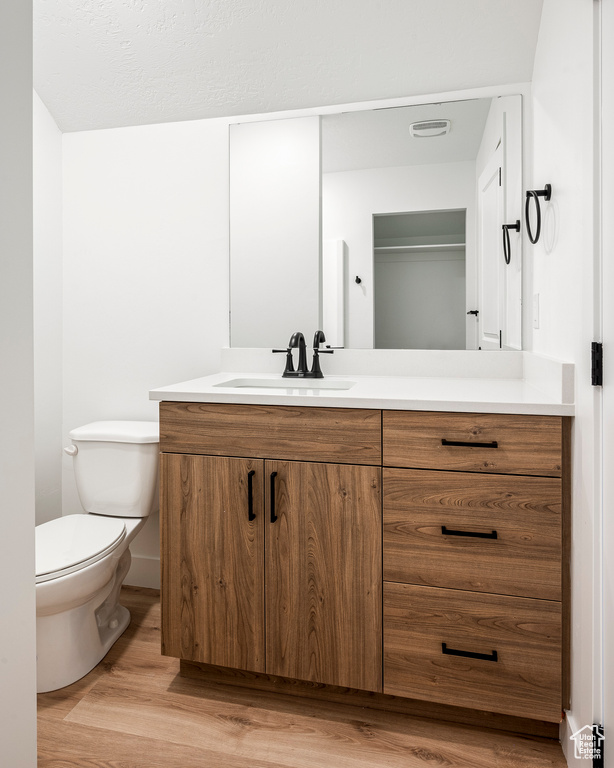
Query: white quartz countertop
[[469, 395]]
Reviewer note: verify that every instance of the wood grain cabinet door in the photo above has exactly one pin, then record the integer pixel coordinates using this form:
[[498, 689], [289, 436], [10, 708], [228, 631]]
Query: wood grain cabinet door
[[212, 534], [323, 573]]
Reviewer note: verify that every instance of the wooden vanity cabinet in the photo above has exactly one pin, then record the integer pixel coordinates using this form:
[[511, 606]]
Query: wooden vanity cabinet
[[422, 555], [271, 565]]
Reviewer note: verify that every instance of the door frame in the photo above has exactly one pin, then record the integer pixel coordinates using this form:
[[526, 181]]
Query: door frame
[[604, 534]]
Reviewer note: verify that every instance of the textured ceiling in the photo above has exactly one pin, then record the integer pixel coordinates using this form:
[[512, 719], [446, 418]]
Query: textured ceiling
[[106, 63]]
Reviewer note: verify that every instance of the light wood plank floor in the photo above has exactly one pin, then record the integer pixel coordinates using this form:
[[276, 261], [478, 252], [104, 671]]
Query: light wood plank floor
[[134, 711]]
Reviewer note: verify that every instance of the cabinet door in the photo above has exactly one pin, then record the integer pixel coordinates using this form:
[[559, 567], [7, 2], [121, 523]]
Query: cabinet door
[[323, 573], [213, 560]]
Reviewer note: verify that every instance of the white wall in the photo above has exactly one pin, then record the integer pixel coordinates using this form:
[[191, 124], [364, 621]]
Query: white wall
[[47, 169], [349, 200], [420, 301], [145, 277], [563, 274], [17, 600]]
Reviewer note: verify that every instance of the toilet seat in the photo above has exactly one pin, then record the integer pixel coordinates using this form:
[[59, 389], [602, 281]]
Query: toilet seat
[[71, 543]]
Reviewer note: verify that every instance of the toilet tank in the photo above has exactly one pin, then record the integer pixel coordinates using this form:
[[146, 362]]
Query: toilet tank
[[116, 467]]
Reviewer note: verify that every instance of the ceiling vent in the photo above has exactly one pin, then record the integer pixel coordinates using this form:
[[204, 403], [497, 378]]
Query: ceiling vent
[[427, 128]]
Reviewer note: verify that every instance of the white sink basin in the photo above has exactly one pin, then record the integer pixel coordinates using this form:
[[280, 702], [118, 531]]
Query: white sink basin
[[302, 384]]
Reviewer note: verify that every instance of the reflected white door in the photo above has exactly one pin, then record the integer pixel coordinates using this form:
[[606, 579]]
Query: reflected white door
[[491, 276]]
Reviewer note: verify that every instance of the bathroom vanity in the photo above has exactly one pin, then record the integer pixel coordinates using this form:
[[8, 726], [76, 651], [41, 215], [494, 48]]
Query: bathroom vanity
[[407, 553]]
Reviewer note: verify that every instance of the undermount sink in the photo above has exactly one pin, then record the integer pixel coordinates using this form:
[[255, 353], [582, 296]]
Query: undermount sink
[[286, 384]]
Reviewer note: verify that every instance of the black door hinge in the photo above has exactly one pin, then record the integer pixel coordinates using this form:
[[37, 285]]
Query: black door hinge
[[598, 745], [597, 364], [589, 743]]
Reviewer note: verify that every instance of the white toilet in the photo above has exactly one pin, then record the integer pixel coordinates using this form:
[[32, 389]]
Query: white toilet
[[82, 559]]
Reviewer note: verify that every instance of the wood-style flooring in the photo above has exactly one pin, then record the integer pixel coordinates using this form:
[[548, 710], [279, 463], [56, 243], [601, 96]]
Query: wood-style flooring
[[134, 711]]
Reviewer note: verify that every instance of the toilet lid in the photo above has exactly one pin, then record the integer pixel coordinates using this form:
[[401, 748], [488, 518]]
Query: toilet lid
[[117, 432], [70, 543]]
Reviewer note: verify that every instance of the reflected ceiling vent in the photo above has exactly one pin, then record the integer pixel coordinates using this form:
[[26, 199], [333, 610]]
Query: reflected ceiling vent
[[427, 128]]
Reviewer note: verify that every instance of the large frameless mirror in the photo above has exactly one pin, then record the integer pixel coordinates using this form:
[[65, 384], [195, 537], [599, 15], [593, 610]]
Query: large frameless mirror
[[383, 227]]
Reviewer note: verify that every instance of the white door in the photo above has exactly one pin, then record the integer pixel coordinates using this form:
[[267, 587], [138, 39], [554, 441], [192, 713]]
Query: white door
[[491, 274]]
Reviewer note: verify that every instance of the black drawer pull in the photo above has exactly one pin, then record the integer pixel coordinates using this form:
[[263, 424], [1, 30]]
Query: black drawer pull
[[474, 534], [469, 654], [468, 444], [272, 501], [250, 495]]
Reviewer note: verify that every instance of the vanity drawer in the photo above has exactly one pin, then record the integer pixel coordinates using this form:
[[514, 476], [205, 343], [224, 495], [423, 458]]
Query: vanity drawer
[[340, 435], [473, 442], [501, 654], [487, 533]]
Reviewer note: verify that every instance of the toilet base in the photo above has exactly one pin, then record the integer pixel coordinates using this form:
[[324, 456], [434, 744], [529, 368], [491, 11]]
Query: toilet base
[[71, 642], [82, 646]]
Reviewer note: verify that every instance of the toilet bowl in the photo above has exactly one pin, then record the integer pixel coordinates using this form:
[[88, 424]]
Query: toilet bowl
[[82, 559]]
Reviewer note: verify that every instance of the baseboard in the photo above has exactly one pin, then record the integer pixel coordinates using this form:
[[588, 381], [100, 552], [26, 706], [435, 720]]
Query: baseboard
[[144, 572]]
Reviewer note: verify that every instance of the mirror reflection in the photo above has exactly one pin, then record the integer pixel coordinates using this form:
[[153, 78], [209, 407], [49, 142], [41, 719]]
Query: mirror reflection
[[419, 282], [404, 251]]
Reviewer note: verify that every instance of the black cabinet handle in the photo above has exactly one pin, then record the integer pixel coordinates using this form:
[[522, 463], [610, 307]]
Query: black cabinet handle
[[477, 535], [469, 444], [272, 500], [250, 495], [469, 654]]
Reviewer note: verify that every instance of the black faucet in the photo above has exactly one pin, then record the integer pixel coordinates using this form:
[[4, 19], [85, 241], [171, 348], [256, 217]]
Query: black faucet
[[298, 340]]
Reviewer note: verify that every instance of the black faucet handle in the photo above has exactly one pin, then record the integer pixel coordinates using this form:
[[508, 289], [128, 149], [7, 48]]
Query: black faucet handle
[[289, 369]]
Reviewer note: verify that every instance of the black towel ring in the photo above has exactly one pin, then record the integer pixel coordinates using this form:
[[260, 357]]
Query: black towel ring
[[507, 248], [535, 194]]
